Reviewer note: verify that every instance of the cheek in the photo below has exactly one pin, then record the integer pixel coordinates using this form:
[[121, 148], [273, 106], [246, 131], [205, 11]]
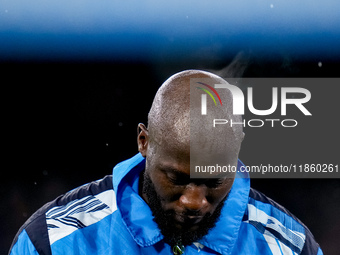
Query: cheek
[[215, 196], [164, 188]]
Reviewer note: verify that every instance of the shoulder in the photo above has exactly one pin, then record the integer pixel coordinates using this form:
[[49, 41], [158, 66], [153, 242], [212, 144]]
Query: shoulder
[[74, 210], [280, 228]]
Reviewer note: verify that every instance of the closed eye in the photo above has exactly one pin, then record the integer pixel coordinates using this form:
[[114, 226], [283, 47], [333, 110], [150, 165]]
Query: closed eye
[[214, 183], [179, 180], [210, 183]]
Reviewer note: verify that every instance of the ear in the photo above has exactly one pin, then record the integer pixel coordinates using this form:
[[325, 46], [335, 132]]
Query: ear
[[142, 139]]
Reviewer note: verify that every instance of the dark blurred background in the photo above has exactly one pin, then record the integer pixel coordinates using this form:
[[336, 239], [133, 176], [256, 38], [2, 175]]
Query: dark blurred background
[[66, 124], [76, 82]]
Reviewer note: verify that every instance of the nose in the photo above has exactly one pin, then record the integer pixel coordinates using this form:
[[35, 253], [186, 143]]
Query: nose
[[193, 198]]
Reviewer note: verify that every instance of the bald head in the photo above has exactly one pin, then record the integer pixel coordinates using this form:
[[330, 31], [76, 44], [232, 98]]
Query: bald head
[[172, 113], [169, 116], [179, 138]]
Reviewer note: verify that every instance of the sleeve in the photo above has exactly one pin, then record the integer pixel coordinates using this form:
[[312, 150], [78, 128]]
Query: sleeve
[[311, 247], [23, 245], [32, 237]]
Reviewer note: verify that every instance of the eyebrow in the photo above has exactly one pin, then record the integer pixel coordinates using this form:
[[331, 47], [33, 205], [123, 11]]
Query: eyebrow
[[174, 170], [170, 168], [166, 168]]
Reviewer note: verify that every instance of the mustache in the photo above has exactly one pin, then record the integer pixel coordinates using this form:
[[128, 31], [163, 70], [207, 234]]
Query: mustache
[[190, 213]]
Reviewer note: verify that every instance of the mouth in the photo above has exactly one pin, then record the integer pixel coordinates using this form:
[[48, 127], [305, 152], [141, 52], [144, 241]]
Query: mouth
[[187, 221]]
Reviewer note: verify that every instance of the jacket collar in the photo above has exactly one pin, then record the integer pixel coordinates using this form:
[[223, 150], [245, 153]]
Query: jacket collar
[[224, 235], [138, 218], [135, 213]]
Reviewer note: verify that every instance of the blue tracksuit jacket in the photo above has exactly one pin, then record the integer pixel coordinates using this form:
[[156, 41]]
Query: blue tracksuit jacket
[[109, 217]]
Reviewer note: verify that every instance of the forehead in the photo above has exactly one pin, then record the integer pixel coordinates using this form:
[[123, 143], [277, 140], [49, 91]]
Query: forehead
[[171, 151]]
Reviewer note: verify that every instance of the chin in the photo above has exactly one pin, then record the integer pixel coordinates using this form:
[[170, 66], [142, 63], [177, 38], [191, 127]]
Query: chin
[[186, 227]]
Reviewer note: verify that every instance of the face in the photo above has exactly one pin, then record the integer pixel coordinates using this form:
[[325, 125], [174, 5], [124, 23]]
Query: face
[[183, 208]]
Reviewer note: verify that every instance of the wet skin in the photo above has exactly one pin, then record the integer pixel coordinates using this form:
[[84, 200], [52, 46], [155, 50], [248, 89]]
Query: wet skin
[[188, 200]]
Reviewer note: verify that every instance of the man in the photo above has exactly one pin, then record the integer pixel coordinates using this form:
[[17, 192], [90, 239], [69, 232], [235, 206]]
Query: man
[[150, 205]]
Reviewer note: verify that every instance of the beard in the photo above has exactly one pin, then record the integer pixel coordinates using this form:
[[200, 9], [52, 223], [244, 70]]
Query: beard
[[166, 223]]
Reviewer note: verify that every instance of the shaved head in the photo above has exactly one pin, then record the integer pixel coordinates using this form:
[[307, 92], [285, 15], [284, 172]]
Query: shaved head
[[171, 115], [184, 206]]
